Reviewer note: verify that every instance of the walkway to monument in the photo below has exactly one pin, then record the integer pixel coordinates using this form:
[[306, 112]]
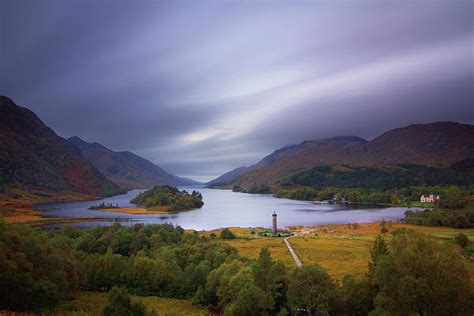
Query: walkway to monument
[[293, 253]]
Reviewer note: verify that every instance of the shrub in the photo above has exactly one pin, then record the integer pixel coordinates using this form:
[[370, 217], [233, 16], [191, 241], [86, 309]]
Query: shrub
[[118, 303], [462, 240], [227, 234]]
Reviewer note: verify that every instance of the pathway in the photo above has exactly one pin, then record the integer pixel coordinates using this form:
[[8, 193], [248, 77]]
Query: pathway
[[293, 253]]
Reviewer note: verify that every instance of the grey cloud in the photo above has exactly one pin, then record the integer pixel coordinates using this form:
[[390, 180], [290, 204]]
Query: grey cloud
[[204, 87]]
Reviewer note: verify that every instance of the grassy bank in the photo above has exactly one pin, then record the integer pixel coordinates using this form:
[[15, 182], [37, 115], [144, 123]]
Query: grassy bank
[[18, 206], [339, 248], [138, 210]]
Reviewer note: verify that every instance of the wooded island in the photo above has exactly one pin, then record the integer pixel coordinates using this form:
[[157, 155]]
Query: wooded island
[[168, 196]]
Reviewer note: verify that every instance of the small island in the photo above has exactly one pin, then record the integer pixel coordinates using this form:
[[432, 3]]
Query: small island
[[168, 198]]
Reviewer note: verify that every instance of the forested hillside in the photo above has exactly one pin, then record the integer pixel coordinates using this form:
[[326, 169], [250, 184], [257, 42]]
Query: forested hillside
[[436, 145], [34, 158], [386, 177]]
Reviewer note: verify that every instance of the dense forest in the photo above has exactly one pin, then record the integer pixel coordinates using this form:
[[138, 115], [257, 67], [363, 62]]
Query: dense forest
[[165, 195], [397, 185], [413, 274], [387, 177], [261, 189], [458, 218]]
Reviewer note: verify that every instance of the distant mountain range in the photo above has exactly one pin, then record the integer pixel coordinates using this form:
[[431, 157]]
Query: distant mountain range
[[35, 159], [227, 177], [126, 169], [438, 144]]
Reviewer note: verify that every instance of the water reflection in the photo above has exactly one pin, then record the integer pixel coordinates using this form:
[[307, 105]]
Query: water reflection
[[224, 208]]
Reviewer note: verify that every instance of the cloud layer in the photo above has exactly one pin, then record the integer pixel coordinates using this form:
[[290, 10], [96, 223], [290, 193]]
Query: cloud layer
[[203, 87]]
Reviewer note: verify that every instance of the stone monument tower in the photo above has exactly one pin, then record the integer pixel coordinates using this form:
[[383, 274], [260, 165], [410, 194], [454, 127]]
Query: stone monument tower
[[275, 229]]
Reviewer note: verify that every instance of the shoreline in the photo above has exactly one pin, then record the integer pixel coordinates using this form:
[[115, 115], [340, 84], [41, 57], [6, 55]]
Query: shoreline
[[46, 221], [136, 210], [19, 206], [330, 201]]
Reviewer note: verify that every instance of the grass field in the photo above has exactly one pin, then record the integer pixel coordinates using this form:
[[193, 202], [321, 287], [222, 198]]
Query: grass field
[[339, 255], [251, 248], [249, 244], [18, 205], [91, 303], [340, 249], [421, 204]]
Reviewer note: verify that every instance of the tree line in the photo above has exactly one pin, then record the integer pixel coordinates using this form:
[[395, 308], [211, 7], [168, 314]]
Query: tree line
[[455, 209], [103, 205], [414, 273]]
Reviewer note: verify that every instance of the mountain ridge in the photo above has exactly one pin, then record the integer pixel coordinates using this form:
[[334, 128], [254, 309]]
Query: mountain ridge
[[125, 168], [34, 158], [432, 144]]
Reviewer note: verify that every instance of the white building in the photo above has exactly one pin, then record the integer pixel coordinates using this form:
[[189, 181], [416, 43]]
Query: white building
[[429, 198]]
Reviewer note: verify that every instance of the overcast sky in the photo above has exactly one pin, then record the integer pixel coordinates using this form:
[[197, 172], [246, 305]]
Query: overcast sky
[[202, 87]]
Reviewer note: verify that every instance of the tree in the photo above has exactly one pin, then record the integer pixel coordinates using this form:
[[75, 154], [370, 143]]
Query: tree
[[453, 198], [462, 240], [208, 295], [147, 275], [355, 296], [34, 273], [354, 195], [311, 288], [378, 250], [383, 228], [227, 234], [422, 276], [118, 303], [196, 276], [103, 271], [250, 301], [395, 199], [271, 277]]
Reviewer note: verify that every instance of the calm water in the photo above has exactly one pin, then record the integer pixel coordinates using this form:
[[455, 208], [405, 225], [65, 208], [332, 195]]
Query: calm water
[[224, 208]]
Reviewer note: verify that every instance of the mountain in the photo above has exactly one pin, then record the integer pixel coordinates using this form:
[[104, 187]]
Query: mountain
[[227, 177], [34, 158], [126, 169], [438, 144]]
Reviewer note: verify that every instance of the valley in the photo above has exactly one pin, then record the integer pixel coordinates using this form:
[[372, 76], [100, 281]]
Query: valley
[[117, 223]]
